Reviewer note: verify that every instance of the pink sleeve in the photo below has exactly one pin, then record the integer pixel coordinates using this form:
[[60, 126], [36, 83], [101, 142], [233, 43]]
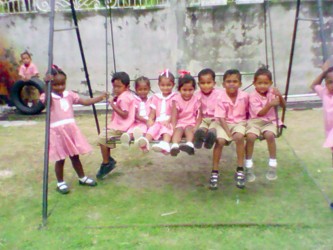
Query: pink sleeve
[[153, 103], [75, 97], [125, 104], [319, 90], [21, 71], [34, 69]]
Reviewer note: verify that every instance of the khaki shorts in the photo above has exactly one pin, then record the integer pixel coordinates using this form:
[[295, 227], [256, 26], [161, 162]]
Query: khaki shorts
[[107, 137], [259, 126], [234, 128], [209, 123]]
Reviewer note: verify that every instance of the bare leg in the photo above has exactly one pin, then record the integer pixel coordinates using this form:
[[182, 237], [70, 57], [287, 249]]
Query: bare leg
[[77, 165], [240, 151], [250, 140], [166, 138], [189, 134], [177, 135], [271, 145], [59, 170], [217, 152], [106, 152]]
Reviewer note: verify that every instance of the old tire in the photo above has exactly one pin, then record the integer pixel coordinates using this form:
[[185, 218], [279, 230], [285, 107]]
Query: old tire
[[16, 96]]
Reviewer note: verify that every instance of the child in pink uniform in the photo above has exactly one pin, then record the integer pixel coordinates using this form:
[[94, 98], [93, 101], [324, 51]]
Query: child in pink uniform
[[122, 118], [263, 121], [208, 94], [185, 115], [28, 71], [159, 121], [65, 137], [326, 94], [142, 109], [231, 112]]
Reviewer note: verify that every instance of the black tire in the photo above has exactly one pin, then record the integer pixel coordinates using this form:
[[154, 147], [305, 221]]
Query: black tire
[[16, 99]]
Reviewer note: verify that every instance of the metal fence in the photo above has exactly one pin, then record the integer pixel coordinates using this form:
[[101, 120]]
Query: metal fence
[[33, 6]]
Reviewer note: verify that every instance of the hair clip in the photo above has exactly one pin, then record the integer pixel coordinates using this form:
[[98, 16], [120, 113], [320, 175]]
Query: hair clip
[[165, 72], [183, 72]]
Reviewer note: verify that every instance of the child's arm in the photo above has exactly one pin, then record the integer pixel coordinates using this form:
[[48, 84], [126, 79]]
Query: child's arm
[[90, 101], [199, 120], [151, 117], [122, 113], [281, 99], [174, 114], [225, 126], [317, 80]]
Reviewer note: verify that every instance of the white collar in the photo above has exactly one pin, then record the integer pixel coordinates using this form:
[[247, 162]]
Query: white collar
[[65, 94]]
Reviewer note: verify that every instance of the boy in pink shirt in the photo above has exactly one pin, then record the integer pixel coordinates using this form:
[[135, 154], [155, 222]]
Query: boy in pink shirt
[[263, 121], [326, 94], [122, 118], [208, 94], [231, 112], [185, 116]]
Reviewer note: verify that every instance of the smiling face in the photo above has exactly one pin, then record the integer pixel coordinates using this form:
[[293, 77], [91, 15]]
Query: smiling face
[[329, 82], [231, 84], [166, 86], [142, 89], [187, 91], [118, 87], [206, 83], [59, 84], [262, 84]]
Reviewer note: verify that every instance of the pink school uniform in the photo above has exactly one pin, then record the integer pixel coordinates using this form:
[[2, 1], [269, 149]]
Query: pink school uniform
[[126, 102], [66, 138], [187, 111], [258, 102], [162, 105], [208, 102], [29, 71], [327, 99], [143, 109], [233, 113]]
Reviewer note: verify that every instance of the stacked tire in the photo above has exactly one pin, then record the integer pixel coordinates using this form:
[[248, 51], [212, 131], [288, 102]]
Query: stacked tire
[[16, 96]]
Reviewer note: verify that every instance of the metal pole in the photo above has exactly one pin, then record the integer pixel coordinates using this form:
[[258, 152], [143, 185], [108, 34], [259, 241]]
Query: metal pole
[[47, 123], [84, 61], [291, 56], [321, 30]]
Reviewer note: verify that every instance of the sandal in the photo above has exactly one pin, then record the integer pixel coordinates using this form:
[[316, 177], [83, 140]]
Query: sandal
[[63, 189], [88, 182]]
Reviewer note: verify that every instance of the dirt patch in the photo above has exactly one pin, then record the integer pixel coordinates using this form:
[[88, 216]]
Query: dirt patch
[[4, 174], [154, 170]]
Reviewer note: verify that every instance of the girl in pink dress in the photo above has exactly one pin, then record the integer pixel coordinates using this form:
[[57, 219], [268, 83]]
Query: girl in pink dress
[[185, 115], [66, 140], [159, 122], [326, 94], [28, 71], [142, 108]]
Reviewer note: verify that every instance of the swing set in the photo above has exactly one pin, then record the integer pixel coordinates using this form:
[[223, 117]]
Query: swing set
[[267, 27]]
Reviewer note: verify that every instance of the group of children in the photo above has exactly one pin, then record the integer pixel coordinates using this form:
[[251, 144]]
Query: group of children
[[205, 117]]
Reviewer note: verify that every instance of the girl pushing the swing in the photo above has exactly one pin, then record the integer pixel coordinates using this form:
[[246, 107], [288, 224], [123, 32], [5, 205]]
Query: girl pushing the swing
[[66, 140]]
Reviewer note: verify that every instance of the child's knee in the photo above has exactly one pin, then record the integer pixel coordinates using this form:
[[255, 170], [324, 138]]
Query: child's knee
[[251, 137], [238, 137], [269, 136]]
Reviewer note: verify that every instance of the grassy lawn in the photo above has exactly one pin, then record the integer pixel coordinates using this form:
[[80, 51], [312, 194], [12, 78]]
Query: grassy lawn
[[157, 202]]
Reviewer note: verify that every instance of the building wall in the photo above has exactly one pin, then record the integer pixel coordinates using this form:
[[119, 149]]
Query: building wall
[[175, 37]]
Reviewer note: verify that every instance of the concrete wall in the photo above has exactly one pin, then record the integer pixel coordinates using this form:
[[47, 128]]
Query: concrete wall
[[147, 41]]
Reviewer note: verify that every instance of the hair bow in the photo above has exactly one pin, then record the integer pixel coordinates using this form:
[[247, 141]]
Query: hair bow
[[165, 72], [183, 72]]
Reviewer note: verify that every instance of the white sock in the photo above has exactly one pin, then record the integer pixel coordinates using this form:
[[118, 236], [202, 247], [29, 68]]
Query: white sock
[[189, 143], [61, 183], [175, 145], [272, 163], [248, 163]]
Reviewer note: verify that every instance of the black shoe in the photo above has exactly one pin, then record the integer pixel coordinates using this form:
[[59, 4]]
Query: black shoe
[[210, 140], [174, 151], [105, 169], [199, 137], [240, 179], [213, 181], [186, 148]]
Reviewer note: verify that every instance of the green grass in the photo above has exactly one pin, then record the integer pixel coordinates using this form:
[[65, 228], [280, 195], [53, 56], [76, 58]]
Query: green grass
[[154, 202]]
